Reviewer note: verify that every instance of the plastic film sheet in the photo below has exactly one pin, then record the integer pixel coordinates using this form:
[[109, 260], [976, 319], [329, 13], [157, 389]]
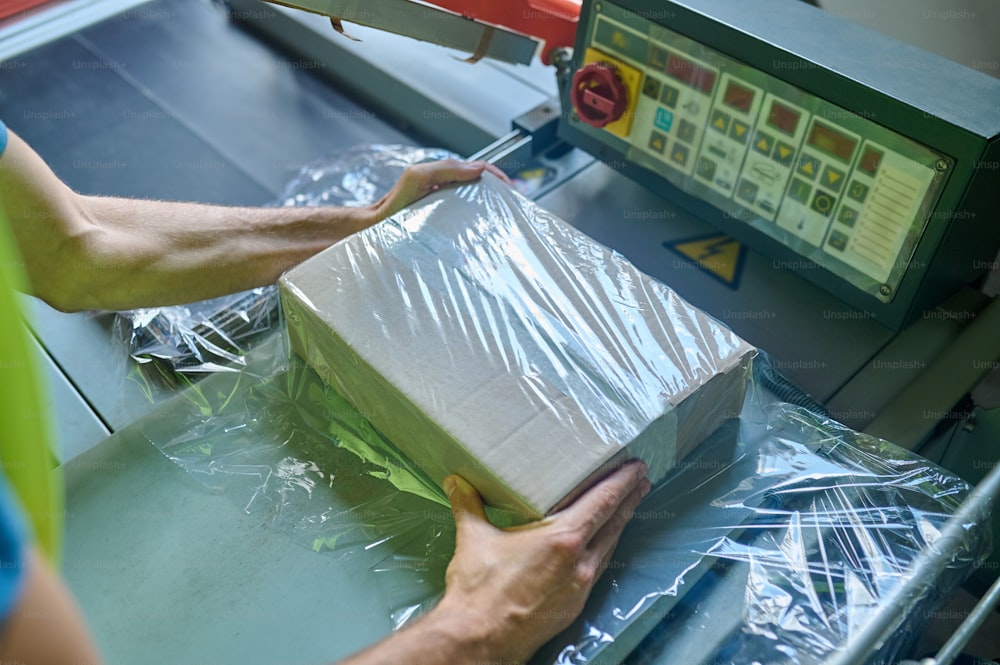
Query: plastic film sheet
[[173, 343], [475, 326], [773, 542]]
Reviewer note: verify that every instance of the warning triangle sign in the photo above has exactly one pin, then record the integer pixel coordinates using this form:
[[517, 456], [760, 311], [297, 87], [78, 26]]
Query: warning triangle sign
[[718, 254]]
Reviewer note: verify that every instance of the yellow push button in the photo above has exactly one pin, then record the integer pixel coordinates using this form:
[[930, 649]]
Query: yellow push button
[[833, 178]]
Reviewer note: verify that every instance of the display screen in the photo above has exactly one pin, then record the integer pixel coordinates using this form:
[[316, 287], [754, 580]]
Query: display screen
[[694, 75], [870, 161], [832, 142], [783, 118], [738, 97]]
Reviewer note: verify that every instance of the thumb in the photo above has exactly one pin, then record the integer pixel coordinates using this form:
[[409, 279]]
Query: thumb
[[466, 504]]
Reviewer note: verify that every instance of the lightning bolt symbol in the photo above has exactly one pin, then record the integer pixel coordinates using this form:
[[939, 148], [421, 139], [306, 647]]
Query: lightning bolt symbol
[[715, 248]]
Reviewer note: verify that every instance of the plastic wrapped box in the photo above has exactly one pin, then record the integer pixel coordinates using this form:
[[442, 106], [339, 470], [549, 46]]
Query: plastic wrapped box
[[484, 336]]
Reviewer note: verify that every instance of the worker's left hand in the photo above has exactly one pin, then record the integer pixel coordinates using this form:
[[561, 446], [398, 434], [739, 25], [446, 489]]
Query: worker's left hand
[[420, 180], [510, 591]]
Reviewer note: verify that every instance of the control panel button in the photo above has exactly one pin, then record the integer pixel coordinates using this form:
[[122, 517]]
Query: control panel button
[[658, 58], [686, 131], [747, 191], [669, 96], [706, 168], [847, 216], [679, 154], [838, 241], [832, 178], [664, 119], [657, 142], [858, 191], [823, 202], [808, 166], [800, 190], [651, 88], [719, 121], [784, 153], [763, 143], [739, 131]]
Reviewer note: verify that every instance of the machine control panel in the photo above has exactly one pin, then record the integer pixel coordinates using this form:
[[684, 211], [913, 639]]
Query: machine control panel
[[867, 168], [835, 187]]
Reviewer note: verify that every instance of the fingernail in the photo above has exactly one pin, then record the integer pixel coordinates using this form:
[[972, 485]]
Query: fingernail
[[646, 486]]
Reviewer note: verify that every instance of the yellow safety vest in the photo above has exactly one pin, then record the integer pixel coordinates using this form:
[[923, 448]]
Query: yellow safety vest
[[25, 454]]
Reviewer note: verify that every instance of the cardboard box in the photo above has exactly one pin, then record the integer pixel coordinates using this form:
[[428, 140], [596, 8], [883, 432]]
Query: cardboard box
[[484, 336]]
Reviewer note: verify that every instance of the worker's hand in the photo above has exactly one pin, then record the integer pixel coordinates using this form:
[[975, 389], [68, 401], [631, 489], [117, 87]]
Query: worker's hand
[[420, 180], [515, 589]]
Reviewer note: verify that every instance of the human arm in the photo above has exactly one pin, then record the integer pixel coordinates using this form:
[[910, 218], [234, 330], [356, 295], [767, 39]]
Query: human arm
[[510, 591], [89, 252], [45, 626]]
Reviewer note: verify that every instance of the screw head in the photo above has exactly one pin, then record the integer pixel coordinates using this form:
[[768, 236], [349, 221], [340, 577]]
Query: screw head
[[941, 165], [885, 290]]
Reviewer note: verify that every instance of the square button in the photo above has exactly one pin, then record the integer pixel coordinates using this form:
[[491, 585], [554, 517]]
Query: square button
[[763, 143], [847, 216], [838, 240], [858, 191], [747, 191], [657, 142], [832, 178], [823, 202], [720, 121], [658, 58], [739, 131], [651, 88], [706, 168], [686, 131], [679, 154], [669, 96], [808, 166], [664, 119], [800, 190], [784, 153]]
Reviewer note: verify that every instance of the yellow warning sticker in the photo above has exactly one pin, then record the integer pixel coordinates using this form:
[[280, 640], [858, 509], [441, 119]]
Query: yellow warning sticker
[[719, 255]]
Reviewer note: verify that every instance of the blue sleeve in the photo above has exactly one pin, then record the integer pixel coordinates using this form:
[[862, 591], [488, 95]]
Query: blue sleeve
[[3, 137], [12, 550]]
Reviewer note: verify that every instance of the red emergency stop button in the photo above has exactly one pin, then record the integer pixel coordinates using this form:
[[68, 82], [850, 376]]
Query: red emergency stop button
[[599, 95]]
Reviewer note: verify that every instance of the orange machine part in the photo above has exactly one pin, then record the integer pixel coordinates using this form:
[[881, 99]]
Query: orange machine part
[[552, 21], [12, 7]]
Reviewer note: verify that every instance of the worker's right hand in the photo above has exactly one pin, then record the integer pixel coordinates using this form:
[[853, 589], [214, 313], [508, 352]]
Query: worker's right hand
[[517, 588], [420, 180]]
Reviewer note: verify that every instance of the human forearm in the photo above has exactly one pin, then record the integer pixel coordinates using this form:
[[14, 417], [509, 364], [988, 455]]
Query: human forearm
[[443, 637], [85, 252], [144, 253]]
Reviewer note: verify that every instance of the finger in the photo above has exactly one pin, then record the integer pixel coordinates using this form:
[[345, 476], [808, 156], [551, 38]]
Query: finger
[[466, 504], [448, 171], [495, 170], [596, 506], [602, 547]]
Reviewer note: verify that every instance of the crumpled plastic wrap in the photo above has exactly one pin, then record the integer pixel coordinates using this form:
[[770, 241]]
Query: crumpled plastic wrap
[[214, 335], [775, 541]]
